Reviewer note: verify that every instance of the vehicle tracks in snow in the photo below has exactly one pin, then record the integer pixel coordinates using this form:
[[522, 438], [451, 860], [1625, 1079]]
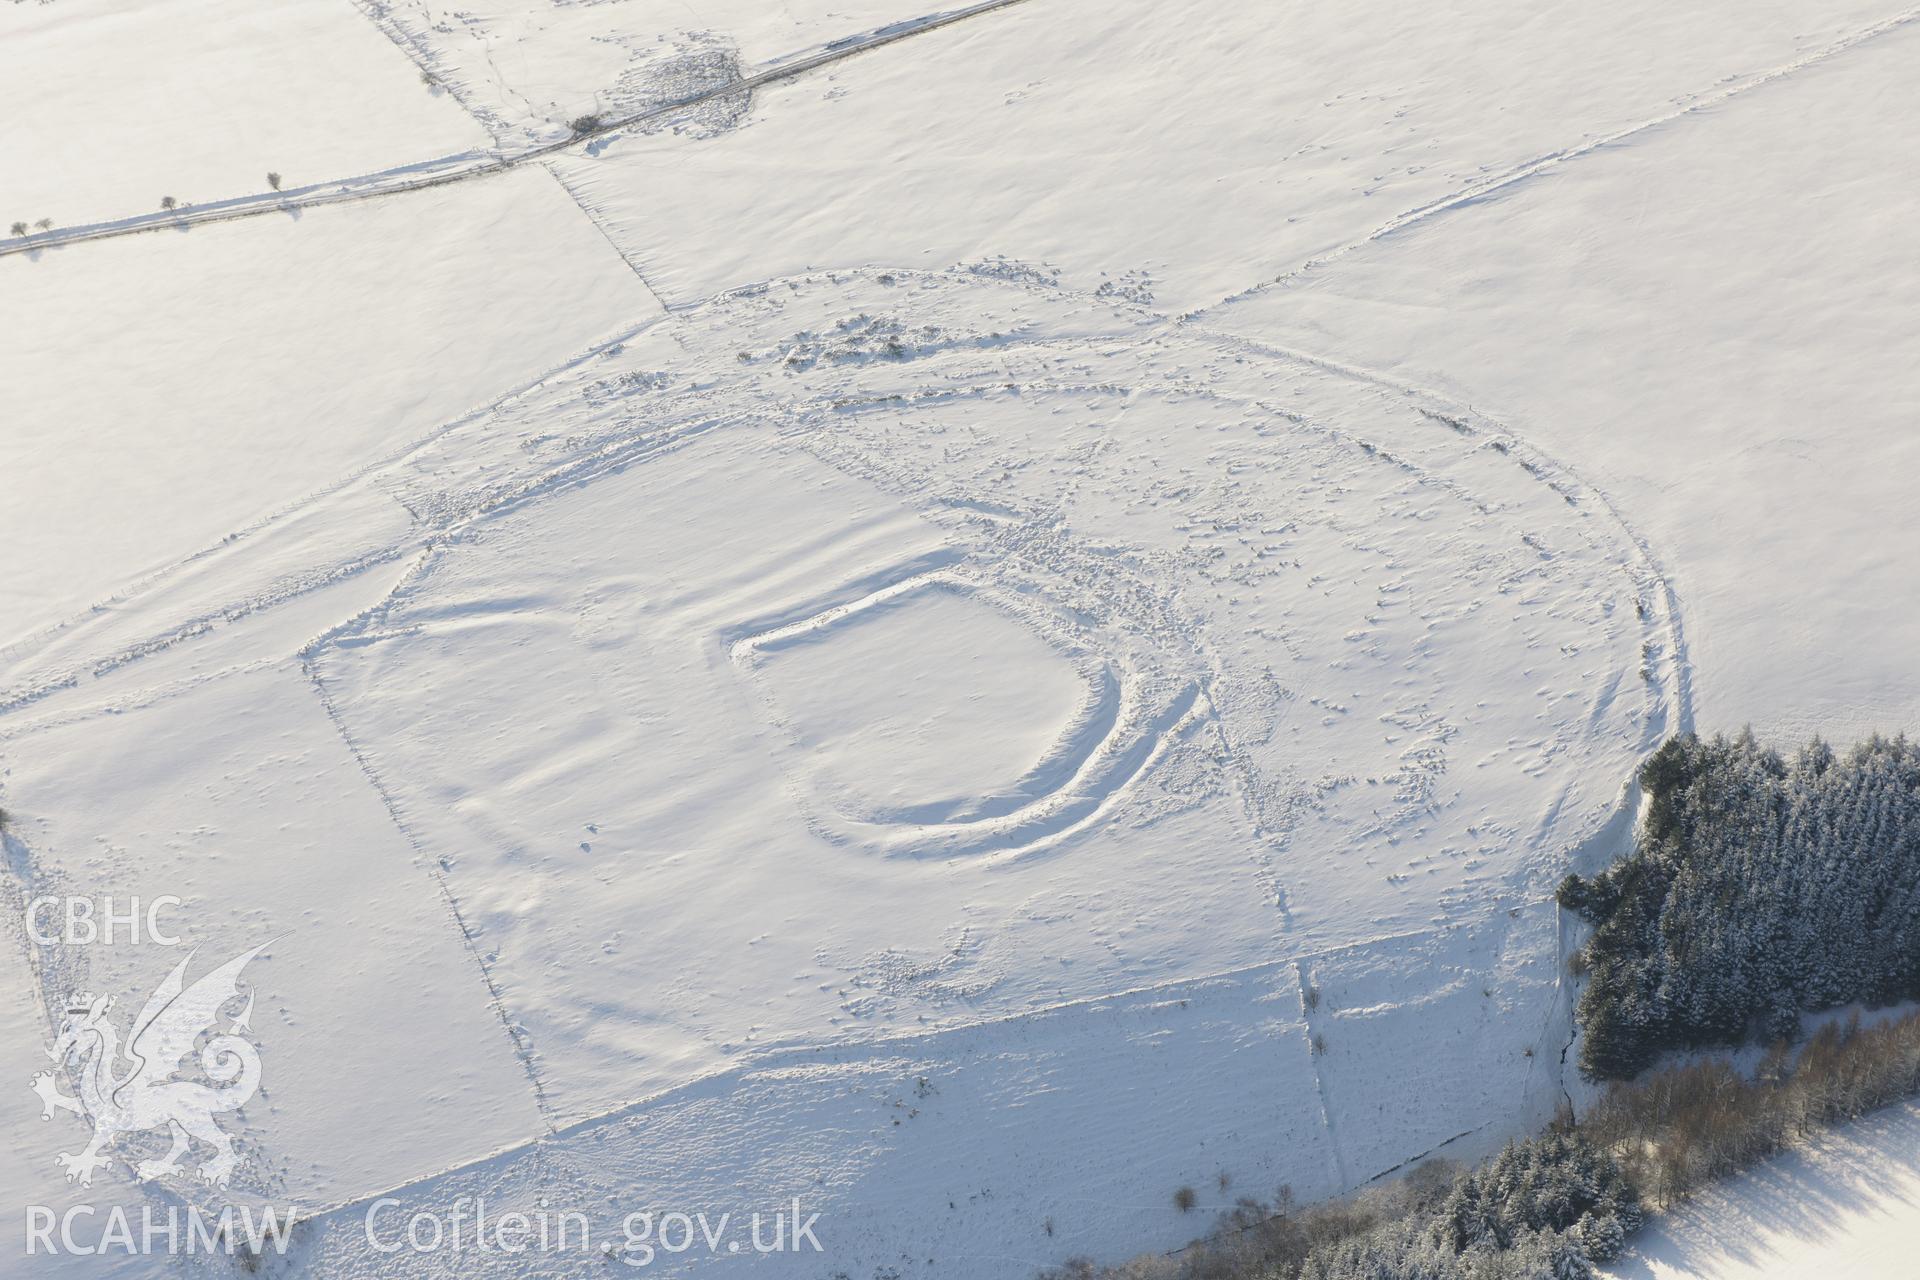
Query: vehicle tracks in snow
[[1527, 170]]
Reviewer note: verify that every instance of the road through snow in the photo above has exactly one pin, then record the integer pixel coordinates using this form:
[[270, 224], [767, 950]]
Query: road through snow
[[467, 166]]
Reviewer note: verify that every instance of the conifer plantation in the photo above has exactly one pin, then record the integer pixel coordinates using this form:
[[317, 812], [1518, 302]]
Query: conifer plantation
[[1761, 887]]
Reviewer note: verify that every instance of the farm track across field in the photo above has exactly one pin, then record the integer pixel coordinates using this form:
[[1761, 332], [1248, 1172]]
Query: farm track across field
[[1491, 186]]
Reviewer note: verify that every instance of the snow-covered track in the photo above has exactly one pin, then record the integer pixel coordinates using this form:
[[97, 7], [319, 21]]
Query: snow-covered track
[[1541, 165]]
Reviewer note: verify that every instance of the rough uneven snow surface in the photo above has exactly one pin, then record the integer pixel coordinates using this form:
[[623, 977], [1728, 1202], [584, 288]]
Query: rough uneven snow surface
[[964, 620]]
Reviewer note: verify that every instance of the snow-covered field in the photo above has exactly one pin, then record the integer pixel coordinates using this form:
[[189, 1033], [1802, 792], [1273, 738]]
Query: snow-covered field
[[990, 620], [1848, 1205]]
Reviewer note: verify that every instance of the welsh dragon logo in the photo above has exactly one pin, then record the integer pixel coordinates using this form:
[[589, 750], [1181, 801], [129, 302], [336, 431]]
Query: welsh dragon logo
[[144, 1094]]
